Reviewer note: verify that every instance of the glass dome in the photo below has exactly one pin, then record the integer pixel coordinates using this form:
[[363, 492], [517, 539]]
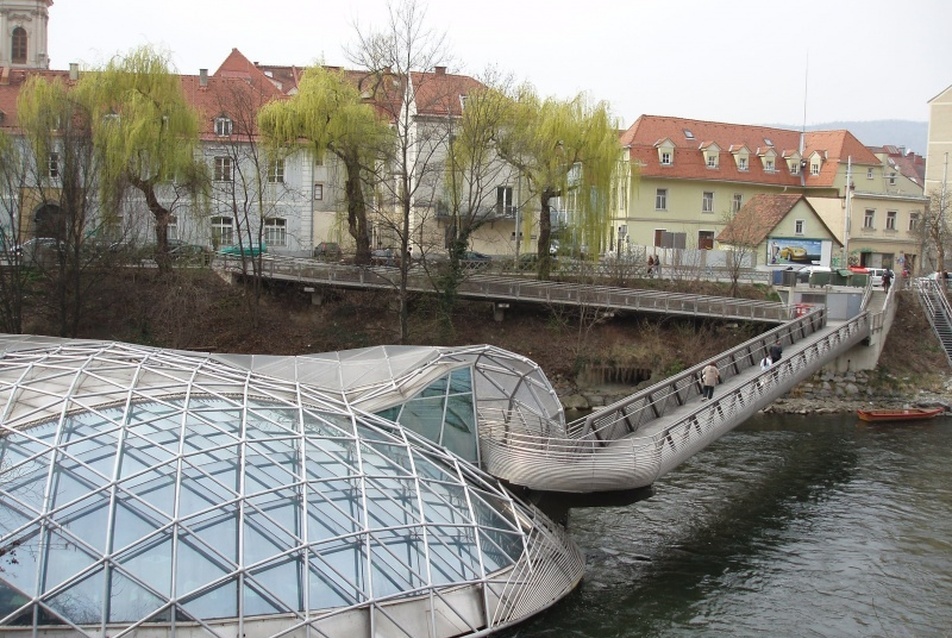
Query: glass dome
[[162, 490]]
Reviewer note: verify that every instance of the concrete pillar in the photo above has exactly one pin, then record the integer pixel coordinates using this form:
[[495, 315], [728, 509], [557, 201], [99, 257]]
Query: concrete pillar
[[317, 296], [499, 311]]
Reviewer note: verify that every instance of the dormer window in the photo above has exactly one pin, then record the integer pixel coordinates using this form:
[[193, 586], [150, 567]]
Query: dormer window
[[769, 165], [223, 126], [793, 166], [741, 156], [768, 158], [665, 151], [814, 167], [712, 154], [742, 163]]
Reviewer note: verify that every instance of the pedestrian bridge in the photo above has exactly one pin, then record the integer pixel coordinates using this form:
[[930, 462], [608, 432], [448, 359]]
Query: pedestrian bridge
[[630, 444]]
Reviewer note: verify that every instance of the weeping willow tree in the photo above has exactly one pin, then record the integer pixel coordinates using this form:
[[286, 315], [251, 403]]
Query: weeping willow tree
[[145, 134], [562, 149], [328, 115]]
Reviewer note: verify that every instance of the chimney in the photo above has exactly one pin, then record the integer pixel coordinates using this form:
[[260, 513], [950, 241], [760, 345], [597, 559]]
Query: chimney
[[73, 71], [440, 70], [203, 77]]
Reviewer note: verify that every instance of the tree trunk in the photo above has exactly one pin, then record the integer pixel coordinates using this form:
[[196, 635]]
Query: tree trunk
[[161, 215], [357, 209], [545, 232]]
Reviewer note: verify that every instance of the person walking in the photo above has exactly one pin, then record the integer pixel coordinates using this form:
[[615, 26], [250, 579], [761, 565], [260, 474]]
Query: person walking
[[887, 279], [766, 362], [776, 350], [710, 376]]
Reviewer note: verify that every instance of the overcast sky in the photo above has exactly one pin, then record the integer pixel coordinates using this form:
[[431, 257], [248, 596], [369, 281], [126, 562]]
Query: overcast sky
[[740, 61]]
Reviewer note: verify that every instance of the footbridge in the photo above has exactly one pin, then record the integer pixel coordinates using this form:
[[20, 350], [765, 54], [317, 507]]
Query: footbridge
[[630, 444], [633, 442], [504, 289]]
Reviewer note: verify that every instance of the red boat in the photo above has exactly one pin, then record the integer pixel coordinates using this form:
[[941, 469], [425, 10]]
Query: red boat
[[905, 414]]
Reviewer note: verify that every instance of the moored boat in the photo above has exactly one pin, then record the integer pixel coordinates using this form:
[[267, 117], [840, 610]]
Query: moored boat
[[903, 414]]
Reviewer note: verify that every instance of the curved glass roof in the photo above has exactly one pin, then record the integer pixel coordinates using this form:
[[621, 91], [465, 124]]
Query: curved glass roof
[[153, 488]]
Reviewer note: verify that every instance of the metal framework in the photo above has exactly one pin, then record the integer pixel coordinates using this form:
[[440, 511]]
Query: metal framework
[[157, 492]]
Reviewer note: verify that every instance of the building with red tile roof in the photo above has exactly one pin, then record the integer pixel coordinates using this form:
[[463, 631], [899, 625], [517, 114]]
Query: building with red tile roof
[[694, 176]]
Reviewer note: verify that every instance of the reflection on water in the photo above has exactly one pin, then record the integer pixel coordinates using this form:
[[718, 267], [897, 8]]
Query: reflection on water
[[788, 526]]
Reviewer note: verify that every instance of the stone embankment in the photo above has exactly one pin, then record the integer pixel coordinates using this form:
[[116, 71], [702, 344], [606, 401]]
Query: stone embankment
[[824, 393]]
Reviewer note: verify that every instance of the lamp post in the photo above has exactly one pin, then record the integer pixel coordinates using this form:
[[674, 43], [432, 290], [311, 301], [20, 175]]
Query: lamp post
[[846, 221]]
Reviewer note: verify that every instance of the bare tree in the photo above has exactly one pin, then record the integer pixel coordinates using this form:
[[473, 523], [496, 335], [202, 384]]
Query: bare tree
[[402, 61], [934, 227]]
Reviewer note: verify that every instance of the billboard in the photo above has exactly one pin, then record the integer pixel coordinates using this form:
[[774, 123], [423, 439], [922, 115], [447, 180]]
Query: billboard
[[793, 250]]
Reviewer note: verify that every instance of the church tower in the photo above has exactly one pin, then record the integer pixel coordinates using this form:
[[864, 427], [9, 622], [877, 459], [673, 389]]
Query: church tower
[[23, 26]]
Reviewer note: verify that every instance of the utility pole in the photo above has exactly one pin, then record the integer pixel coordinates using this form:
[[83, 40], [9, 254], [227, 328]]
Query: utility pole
[[849, 203]]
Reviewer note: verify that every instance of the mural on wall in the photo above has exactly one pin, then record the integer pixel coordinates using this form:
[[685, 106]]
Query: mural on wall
[[795, 250]]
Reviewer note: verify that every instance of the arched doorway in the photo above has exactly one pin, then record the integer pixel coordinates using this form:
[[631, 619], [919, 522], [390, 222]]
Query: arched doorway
[[48, 221]]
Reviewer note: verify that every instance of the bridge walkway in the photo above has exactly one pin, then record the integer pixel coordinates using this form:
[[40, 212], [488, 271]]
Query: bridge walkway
[[631, 443]]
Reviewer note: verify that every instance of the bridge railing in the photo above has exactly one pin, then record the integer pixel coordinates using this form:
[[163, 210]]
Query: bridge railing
[[629, 414], [515, 288], [614, 449]]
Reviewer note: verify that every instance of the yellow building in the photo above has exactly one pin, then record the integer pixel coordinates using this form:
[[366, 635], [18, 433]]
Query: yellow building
[[694, 176]]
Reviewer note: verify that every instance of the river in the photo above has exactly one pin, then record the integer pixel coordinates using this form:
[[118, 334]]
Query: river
[[790, 525]]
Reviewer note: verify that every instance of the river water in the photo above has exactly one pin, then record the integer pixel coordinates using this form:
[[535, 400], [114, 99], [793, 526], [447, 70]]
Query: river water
[[788, 526]]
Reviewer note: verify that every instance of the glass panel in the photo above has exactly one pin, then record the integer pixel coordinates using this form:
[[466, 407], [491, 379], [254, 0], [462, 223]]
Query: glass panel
[[444, 503], [461, 381], [271, 421], [200, 491], [424, 416], [66, 559], [19, 565], [133, 523], [338, 575], [383, 459], [397, 561], [391, 502], [10, 600], [72, 480], [195, 568], [221, 602], [331, 459], [87, 520], [335, 509], [128, 601], [151, 564], [459, 435], [154, 487], [218, 529], [435, 389], [281, 584], [453, 554], [81, 603], [272, 530]]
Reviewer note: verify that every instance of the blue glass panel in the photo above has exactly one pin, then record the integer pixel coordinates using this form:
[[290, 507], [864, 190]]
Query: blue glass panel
[[27, 484], [270, 420], [19, 565], [435, 389], [72, 480], [500, 549], [383, 458], [424, 416], [156, 487], [335, 508], [66, 559], [459, 435], [81, 603], [390, 414], [454, 556], [330, 459], [218, 530], [10, 600], [391, 502], [275, 588], [397, 560], [338, 574], [151, 563], [461, 381], [444, 503], [134, 521], [139, 453], [270, 526], [221, 602], [214, 480], [87, 519], [129, 601]]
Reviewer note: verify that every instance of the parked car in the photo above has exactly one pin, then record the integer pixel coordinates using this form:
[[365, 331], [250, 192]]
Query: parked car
[[189, 254], [39, 251], [384, 257], [804, 273], [248, 250], [876, 276], [474, 260]]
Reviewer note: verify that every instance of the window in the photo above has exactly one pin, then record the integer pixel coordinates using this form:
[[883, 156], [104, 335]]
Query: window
[[666, 158], [318, 191], [223, 232], [737, 202], [913, 222], [18, 46], [661, 199], [688, 134], [223, 169], [868, 218], [742, 163], [707, 202], [869, 173], [53, 165], [798, 227], [794, 166], [173, 228], [814, 168], [892, 179], [276, 171], [712, 160], [705, 239], [276, 231], [891, 219], [769, 165], [223, 126], [504, 201]]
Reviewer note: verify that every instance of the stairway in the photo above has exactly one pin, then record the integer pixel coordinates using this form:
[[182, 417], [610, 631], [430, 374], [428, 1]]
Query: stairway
[[937, 309]]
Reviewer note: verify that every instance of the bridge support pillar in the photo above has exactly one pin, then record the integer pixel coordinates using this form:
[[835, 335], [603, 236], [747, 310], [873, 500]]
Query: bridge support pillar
[[499, 311], [317, 297]]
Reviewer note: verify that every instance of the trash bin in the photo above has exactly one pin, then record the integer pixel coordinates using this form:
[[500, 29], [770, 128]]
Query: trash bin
[[839, 277], [789, 277], [820, 279]]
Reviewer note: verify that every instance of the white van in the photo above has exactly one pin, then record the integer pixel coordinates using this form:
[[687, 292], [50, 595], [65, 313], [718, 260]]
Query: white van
[[876, 276]]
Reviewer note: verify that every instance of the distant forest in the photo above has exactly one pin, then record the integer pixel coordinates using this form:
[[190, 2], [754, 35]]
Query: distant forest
[[911, 135]]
